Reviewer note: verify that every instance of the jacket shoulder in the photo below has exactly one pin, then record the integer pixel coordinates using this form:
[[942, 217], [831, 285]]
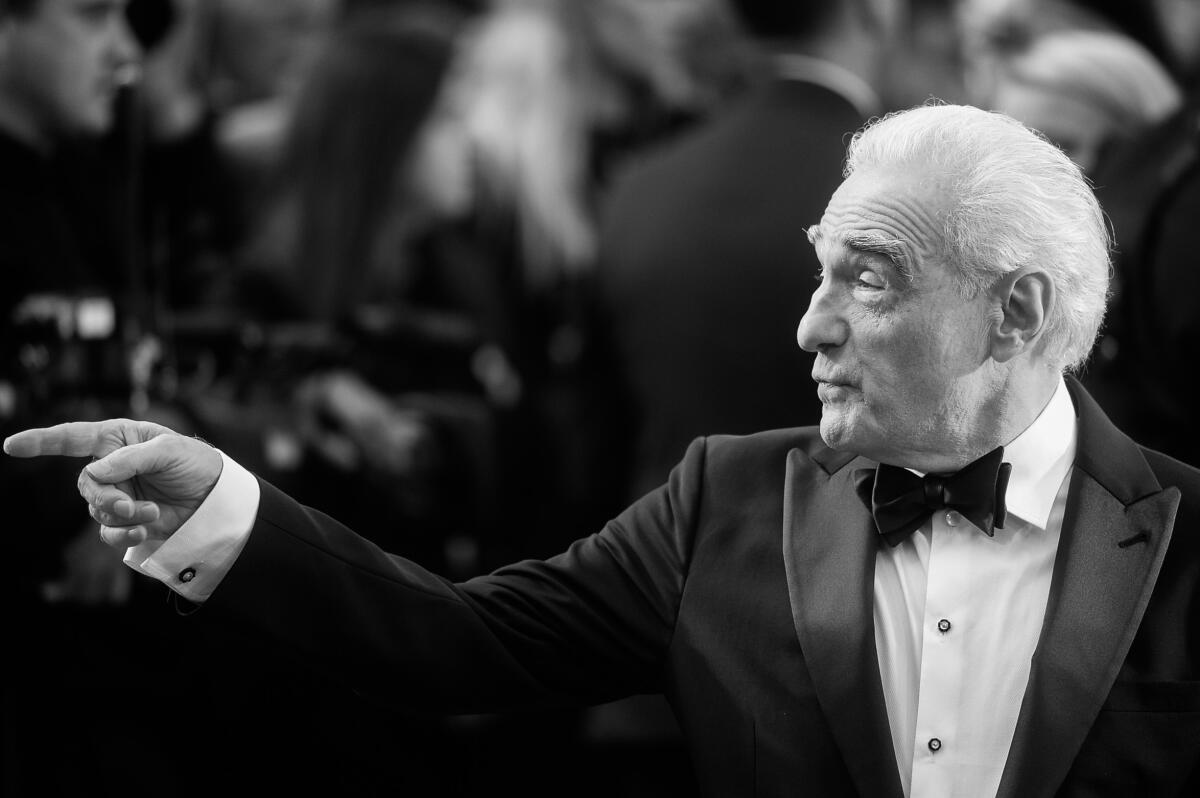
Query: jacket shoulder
[[806, 438], [734, 459]]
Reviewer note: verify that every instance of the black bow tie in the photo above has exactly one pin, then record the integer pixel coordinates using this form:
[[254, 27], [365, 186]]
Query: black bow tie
[[901, 501]]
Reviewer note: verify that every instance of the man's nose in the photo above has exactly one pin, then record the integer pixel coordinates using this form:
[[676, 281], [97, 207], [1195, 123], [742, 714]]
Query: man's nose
[[822, 326]]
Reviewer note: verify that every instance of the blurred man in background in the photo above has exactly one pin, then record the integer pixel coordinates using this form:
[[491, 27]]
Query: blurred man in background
[[702, 264], [703, 300], [62, 64]]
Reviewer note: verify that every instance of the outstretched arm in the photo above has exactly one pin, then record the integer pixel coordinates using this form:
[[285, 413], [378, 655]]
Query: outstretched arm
[[590, 625], [144, 481]]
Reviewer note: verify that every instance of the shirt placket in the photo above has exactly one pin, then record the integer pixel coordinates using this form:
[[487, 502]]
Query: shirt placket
[[945, 620]]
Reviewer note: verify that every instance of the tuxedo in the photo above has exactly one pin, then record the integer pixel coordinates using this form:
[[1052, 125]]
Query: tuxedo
[[742, 590]]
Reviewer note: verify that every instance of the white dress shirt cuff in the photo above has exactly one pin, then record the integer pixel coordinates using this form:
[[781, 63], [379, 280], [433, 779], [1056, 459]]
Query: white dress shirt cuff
[[195, 559]]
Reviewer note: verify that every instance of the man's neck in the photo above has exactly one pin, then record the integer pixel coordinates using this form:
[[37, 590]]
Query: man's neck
[[1025, 402], [1014, 411], [1015, 405]]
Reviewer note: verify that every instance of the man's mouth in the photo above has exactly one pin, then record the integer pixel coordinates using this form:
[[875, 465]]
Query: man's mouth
[[833, 381], [834, 389]]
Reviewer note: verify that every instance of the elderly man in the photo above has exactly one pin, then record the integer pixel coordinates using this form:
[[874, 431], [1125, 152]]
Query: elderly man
[[962, 586]]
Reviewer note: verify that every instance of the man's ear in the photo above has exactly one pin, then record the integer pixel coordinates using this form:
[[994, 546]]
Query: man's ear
[[1025, 300]]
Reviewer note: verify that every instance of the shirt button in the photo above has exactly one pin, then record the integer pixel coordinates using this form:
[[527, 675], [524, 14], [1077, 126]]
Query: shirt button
[[953, 517], [935, 744], [943, 626], [187, 574]]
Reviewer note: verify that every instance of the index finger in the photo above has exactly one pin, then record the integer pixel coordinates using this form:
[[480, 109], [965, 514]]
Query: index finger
[[72, 439]]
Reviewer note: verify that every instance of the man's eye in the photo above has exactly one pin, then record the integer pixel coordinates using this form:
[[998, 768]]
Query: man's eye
[[869, 279]]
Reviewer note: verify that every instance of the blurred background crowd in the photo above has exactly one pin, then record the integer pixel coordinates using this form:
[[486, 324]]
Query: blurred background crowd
[[468, 275]]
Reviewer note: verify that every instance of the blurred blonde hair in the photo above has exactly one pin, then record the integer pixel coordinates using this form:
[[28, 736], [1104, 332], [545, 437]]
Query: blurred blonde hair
[[532, 81], [1108, 71]]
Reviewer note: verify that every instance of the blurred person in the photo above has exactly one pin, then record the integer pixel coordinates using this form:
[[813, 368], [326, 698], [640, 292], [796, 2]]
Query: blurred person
[[965, 582], [543, 104], [542, 101], [62, 63], [340, 203], [1085, 90], [701, 299], [991, 29], [1179, 21], [986, 21], [235, 67], [337, 252], [536, 89], [69, 612], [185, 188], [258, 57], [1150, 188], [925, 55]]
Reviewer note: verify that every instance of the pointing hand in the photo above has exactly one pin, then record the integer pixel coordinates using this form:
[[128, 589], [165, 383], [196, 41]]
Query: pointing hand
[[145, 480]]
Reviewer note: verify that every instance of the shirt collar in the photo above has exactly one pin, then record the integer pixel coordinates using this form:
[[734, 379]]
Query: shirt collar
[[838, 79], [1041, 457]]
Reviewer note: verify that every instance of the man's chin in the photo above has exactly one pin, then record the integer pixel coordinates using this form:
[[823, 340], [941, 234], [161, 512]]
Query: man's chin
[[836, 430]]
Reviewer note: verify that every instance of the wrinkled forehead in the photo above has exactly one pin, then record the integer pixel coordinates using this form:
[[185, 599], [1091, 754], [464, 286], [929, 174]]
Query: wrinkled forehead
[[899, 215]]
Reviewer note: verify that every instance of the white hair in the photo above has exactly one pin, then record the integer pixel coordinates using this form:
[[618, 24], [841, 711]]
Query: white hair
[[1015, 201]]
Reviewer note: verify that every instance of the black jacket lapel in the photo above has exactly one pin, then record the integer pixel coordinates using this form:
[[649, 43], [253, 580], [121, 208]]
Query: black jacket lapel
[[1115, 533], [829, 553]]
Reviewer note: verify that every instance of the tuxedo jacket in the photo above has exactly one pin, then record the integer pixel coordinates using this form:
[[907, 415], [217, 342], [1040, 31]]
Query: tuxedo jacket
[[742, 590]]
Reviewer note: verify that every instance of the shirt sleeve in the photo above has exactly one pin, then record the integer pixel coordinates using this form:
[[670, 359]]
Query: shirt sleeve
[[195, 559]]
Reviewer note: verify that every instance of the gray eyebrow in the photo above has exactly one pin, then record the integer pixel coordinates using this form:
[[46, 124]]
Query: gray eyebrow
[[893, 249], [876, 244]]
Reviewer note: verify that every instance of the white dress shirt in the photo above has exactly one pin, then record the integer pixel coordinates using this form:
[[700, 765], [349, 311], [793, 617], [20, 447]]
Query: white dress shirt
[[958, 615]]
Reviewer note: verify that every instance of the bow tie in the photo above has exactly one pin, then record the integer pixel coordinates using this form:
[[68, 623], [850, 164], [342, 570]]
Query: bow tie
[[901, 501]]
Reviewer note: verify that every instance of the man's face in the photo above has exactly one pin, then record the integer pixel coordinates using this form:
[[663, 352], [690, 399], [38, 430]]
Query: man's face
[[900, 355], [64, 62]]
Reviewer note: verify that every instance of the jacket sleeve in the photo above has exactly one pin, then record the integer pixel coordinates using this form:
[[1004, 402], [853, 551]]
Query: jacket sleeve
[[589, 625]]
